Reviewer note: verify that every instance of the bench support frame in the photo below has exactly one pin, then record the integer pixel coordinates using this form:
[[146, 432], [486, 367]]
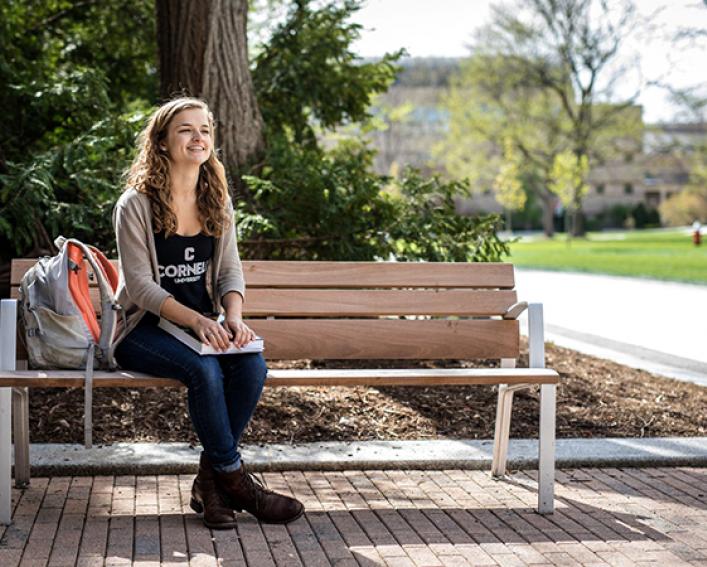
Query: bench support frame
[[546, 443], [8, 346]]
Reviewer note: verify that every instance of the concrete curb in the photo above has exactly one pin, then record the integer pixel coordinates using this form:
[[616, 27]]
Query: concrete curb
[[178, 458]]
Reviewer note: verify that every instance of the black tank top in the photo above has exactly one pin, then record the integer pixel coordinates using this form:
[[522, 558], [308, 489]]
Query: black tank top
[[183, 263]]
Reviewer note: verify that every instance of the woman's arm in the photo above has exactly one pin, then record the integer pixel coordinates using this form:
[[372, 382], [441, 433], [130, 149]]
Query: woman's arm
[[208, 330], [230, 276], [134, 254], [241, 333]]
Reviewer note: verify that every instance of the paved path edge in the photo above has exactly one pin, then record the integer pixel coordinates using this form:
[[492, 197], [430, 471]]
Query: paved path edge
[[177, 458]]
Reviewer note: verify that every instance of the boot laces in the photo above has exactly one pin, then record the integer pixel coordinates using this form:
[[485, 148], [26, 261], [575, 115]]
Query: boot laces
[[256, 488]]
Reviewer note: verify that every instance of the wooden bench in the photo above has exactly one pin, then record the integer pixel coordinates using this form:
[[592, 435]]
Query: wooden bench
[[342, 310]]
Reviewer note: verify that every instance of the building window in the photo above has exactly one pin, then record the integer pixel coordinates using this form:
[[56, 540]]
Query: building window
[[628, 189], [600, 189]]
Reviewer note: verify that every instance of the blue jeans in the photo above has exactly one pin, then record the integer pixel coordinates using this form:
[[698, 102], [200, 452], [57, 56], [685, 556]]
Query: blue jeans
[[223, 390]]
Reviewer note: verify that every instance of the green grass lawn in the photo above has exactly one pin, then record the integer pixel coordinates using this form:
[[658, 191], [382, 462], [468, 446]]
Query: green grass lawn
[[665, 255]]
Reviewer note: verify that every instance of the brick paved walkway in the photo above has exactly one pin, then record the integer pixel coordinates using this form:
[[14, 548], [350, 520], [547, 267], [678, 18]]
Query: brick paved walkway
[[394, 518]]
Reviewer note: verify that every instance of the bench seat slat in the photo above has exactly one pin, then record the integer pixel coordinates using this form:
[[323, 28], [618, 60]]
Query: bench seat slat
[[328, 377]]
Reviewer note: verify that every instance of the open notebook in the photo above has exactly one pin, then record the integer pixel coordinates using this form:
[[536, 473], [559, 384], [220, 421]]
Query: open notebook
[[188, 337]]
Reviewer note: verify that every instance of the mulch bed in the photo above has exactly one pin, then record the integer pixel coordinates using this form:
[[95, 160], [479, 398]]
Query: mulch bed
[[596, 398]]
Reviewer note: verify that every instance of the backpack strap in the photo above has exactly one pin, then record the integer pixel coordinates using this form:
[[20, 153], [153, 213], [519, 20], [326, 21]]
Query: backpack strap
[[88, 399], [107, 279]]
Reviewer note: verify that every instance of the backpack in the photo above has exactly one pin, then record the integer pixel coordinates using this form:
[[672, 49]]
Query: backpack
[[60, 327]]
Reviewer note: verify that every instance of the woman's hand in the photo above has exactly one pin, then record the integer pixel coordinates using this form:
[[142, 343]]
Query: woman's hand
[[211, 333], [240, 333]]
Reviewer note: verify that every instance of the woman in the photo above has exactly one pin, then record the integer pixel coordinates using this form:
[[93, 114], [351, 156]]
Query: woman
[[178, 260]]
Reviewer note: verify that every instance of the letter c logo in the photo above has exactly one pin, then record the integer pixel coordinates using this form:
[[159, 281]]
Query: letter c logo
[[189, 253]]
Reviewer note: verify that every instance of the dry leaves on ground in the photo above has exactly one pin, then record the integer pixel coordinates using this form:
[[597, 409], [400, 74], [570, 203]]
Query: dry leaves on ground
[[596, 398]]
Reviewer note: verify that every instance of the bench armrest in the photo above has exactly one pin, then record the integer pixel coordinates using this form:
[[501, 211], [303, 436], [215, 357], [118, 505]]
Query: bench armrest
[[515, 310]]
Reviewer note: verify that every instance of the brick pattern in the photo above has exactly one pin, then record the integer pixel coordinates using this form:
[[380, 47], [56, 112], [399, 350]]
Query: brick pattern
[[604, 517]]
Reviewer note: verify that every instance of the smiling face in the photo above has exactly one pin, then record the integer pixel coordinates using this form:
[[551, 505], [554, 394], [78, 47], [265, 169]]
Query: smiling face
[[189, 137]]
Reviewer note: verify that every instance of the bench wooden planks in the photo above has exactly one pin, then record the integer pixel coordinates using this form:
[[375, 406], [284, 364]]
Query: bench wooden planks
[[388, 338], [339, 310], [263, 302], [327, 377], [322, 274]]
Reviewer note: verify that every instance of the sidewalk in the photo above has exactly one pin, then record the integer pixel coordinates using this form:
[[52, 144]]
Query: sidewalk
[[658, 326], [604, 517], [49, 459]]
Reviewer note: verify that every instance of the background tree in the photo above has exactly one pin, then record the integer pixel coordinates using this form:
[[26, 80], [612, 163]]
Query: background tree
[[203, 52], [78, 79], [544, 72], [491, 106], [569, 183], [507, 185]]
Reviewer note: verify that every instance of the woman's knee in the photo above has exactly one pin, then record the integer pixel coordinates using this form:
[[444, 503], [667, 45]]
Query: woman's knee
[[250, 368], [207, 375]]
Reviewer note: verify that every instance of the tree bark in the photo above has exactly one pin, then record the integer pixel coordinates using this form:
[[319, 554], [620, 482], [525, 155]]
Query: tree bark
[[203, 52], [548, 214]]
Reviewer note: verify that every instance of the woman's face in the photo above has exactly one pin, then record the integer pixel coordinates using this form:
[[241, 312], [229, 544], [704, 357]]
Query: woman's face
[[188, 140]]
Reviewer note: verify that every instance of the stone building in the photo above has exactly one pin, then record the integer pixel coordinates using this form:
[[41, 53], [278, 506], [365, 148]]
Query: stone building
[[646, 173]]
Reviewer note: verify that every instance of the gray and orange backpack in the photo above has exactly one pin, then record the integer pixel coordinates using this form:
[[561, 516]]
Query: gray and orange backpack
[[60, 326]]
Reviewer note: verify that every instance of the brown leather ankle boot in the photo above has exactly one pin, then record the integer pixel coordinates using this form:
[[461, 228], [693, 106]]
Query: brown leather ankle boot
[[242, 491], [206, 498]]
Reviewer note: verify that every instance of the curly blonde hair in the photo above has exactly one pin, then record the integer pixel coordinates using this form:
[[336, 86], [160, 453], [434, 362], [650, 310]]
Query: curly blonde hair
[[150, 174]]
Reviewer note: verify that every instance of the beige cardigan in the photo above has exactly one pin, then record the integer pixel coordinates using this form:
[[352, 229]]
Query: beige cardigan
[[139, 285]]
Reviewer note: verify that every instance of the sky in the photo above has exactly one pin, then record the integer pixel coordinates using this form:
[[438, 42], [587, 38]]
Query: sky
[[444, 28]]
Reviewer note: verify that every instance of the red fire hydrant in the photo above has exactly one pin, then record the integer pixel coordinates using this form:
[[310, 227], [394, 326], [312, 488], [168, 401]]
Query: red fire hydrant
[[696, 235]]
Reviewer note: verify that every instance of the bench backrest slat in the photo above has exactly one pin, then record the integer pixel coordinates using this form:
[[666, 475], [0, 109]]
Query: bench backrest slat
[[263, 302], [388, 338], [344, 309], [286, 274]]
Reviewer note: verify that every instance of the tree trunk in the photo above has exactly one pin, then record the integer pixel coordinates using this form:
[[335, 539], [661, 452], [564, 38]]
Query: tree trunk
[[577, 221], [509, 217], [548, 200], [203, 52]]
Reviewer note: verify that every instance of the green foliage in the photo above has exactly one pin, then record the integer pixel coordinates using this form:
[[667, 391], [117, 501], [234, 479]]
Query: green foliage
[[314, 204], [77, 79], [67, 72], [69, 189], [507, 185], [308, 75], [568, 178], [427, 227], [328, 205]]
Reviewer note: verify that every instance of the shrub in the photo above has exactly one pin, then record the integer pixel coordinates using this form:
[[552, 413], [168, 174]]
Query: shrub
[[684, 208], [313, 204]]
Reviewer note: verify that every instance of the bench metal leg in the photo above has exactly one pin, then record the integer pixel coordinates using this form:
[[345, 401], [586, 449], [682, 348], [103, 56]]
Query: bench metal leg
[[5, 456], [546, 443], [20, 414], [503, 423], [546, 453], [8, 329]]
